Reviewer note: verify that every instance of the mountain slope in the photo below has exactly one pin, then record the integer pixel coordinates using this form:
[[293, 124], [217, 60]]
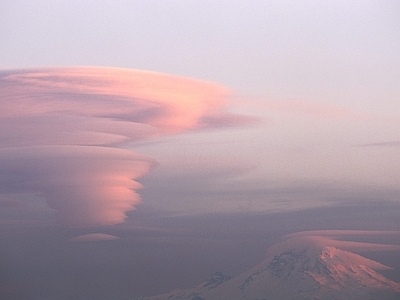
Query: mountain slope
[[299, 268]]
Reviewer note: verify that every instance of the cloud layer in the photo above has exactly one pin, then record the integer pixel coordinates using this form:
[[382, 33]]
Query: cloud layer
[[333, 238], [62, 131]]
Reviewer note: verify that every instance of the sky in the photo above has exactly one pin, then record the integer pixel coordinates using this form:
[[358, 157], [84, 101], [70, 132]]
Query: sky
[[128, 121]]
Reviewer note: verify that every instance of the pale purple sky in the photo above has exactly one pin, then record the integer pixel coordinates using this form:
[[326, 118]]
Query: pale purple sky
[[285, 109]]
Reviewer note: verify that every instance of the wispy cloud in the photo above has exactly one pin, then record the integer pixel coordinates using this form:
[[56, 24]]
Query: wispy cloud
[[61, 130], [381, 144], [305, 107], [337, 238], [94, 237]]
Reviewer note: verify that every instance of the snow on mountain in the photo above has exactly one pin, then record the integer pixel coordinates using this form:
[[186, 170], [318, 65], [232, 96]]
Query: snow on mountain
[[304, 267]]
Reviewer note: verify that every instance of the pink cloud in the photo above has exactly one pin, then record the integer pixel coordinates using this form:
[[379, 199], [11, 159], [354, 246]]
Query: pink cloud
[[60, 129], [335, 238], [170, 103], [94, 237], [85, 185]]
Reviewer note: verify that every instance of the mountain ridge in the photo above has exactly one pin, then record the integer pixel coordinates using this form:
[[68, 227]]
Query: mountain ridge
[[304, 267]]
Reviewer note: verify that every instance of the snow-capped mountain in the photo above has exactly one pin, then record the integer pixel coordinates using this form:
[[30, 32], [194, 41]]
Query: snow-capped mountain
[[305, 267]]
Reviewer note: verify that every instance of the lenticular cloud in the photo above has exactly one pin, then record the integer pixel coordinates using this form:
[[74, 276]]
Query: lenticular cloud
[[61, 132]]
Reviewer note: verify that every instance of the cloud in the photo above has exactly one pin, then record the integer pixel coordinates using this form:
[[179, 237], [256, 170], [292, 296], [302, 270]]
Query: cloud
[[332, 237], [62, 133], [382, 144], [86, 185], [94, 237], [11, 203], [308, 108], [347, 233]]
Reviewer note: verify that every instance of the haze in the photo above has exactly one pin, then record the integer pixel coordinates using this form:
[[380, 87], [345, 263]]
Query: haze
[[145, 145]]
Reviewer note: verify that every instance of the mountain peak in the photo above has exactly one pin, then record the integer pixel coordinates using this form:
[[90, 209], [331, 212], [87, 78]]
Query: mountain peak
[[305, 267]]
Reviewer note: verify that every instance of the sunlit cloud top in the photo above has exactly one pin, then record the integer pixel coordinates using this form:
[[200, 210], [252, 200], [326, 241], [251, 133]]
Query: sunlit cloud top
[[61, 129]]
